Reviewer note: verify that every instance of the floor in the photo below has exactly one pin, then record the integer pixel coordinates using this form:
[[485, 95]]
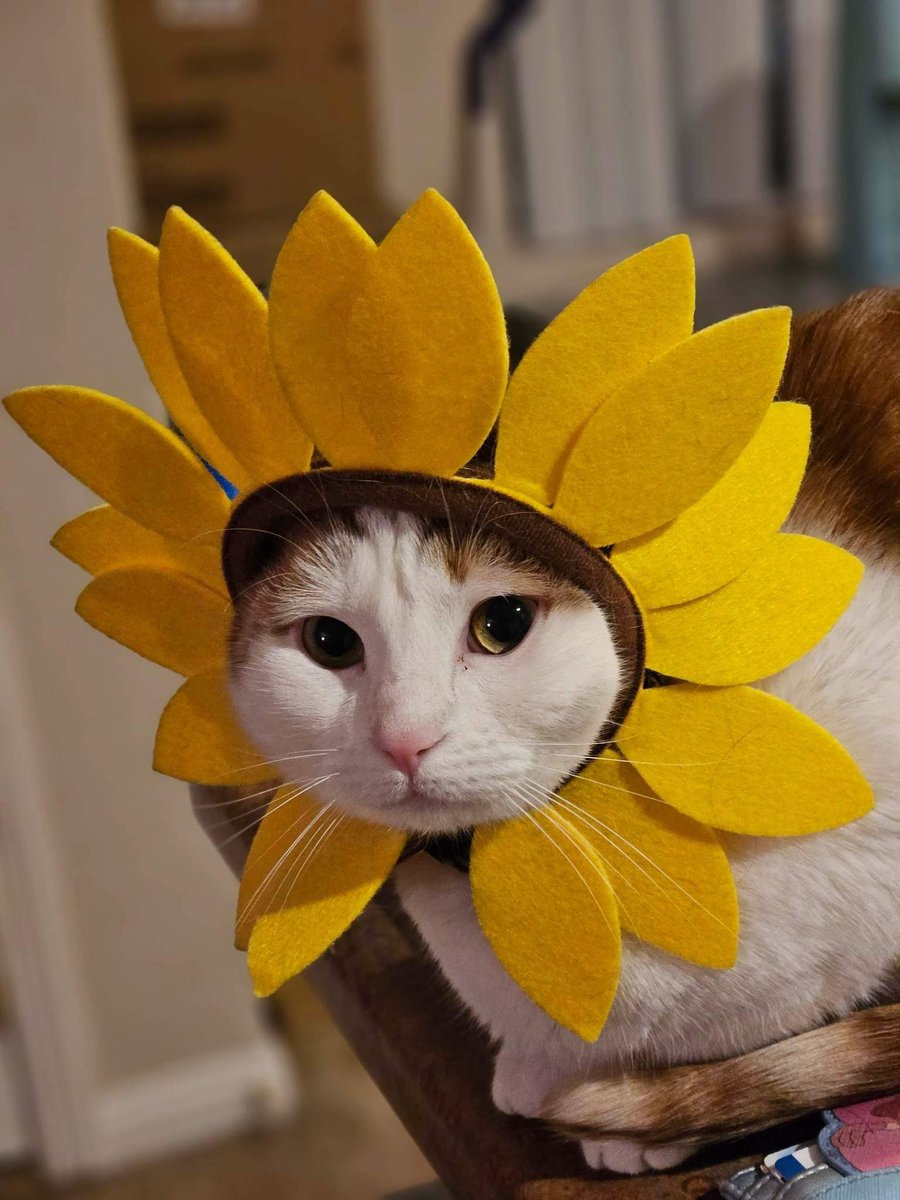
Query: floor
[[346, 1144]]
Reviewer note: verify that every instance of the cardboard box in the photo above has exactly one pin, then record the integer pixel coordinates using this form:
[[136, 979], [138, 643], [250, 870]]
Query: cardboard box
[[240, 110]]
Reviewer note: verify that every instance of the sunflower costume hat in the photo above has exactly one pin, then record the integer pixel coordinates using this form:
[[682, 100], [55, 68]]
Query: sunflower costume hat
[[647, 462]]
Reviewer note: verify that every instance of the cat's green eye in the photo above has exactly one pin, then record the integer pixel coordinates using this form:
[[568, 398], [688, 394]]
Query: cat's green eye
[[498, 625], [331, 643]]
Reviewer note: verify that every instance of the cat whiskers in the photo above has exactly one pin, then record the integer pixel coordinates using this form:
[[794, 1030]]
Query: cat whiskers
[[242, 799], [316, 817], [529, 814], [614, 787], [266, 803], [243, 529], [263, 581], [291, 874], [608, 834], [615, 740], [295, 507], [451, 531], [270, 762], [269, 807], [643, 762], [537, 801]]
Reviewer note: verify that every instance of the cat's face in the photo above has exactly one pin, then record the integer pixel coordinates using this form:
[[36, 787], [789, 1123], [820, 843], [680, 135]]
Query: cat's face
[[417, 684]]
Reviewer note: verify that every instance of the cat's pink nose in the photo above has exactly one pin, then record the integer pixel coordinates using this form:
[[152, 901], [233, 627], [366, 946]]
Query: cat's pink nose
[[406, 749]]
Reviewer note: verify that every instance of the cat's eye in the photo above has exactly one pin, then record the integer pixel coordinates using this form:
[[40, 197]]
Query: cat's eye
[[498, 625], [331, 643]]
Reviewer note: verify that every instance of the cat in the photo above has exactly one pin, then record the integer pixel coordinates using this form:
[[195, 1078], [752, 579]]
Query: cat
[[438, 681]]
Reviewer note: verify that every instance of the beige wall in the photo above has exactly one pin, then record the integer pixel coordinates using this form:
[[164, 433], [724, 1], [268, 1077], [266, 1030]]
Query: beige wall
[[416, 48], [149, 905]]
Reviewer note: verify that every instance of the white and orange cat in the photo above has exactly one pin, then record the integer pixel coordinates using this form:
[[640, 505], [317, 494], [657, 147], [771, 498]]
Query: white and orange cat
[[436, 681]]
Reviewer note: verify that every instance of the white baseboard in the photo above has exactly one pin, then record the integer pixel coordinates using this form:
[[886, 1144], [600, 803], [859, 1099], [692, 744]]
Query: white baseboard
[[192, 1102]]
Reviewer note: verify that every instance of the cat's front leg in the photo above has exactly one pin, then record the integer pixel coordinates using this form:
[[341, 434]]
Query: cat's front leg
[[522, 1080]]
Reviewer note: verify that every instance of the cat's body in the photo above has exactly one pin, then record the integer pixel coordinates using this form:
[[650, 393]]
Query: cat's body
[[427, 731]]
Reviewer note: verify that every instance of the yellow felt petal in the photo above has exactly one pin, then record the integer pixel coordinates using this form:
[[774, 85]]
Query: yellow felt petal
[[160, 614], [741, 760], [768, 617], [135, 267], [217, 321], [670, 874], [715, 539], [309, 874], [627, 317], [103, 539], [317, 276], [198, 738], [661, 439], [427, 347], [124, 456], [546, 906]]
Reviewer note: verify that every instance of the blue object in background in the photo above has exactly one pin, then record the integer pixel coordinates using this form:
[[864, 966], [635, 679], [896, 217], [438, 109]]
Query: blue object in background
[[868, 167]]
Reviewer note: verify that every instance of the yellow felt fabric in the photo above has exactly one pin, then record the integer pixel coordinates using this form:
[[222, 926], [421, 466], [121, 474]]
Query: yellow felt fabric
[[619, 323], [546, 906], [162, 615], [217, 322], [309, 874], [715, 539], [135, 270], [198, 738], [128, 459], [744, 761], [661, 439], [767, 618], [318, 274], [103, 539], [670, 874], [427, 346]]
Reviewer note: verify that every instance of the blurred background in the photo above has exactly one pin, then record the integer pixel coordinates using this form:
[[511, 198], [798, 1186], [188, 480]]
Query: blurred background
[[569, 133]]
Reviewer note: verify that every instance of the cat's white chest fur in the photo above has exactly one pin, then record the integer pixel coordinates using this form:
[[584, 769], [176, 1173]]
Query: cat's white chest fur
[[820, 916]]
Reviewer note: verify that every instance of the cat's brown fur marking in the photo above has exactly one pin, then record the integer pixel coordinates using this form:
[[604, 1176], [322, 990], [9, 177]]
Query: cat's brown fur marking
[[845, 363], [854, 1059]]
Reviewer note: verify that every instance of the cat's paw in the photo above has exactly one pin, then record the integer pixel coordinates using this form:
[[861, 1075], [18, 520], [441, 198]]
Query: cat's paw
[[521, 1085], [626, 1157]]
